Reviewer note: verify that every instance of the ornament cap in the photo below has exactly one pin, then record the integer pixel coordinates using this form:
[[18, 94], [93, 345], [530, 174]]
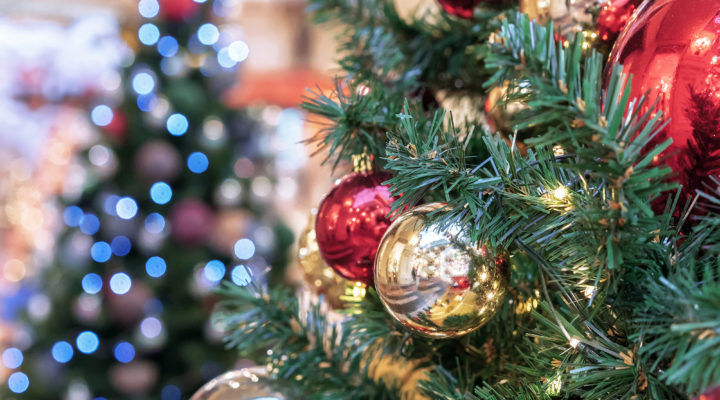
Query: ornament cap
[[362, 162]]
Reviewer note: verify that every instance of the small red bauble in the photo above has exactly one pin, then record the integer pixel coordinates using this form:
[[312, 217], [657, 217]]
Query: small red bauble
[[351, 220], [117, 128], [460, 8], [192, 222], [177, 10], [710, 394], [672, 49], [613, 17]]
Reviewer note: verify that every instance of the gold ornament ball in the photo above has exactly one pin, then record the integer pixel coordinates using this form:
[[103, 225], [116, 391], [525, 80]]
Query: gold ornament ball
[[243, 384], [434, 280], [316, 272], [567, 16]]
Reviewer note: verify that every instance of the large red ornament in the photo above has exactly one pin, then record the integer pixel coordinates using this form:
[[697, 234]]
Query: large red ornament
[[460, 8], [351, 220], [613, 17], [710, 394], [672, 49], [177, 10]]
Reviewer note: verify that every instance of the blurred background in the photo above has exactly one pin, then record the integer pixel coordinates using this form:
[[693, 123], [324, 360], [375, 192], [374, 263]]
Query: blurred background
[[149, 150]]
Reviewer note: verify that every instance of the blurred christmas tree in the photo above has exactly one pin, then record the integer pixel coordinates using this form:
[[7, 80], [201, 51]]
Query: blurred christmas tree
[[176, 202]]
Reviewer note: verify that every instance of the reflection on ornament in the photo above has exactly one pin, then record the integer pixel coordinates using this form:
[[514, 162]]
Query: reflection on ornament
[[321, 279], [567, 16], [710, 394], [243, 384], [613, 17], [673, 52], [351, 221], [434, 281]]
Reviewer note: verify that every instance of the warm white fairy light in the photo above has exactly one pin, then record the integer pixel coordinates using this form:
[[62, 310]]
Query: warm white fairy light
[[560, 193], [574, 343]]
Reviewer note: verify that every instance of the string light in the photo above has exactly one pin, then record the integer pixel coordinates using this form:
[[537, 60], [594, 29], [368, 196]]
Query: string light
[[87, 342], [161, 193], [198, 162], [12, 358], [126, 208], [168, 46], [62, 352], [89, 224], [170, 392], [92, 283], [101, 115], [148, 34], [214, 271], [18, 382], [574, 343], [240, 275], [155, 266], [244, 249], [143, 83], [124, 352], [120, 245], [120, 283], [100, 252], [208, 34], [560, 193], [154, 223], [177, 124]]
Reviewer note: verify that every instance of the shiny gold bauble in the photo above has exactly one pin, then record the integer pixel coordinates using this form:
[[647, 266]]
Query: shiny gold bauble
[[567, 15], [243, 384], [321, 279], [499, 114], [433, 280]]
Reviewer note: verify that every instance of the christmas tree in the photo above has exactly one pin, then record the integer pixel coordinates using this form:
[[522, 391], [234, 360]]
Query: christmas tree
[[541, 242], [175, 201]]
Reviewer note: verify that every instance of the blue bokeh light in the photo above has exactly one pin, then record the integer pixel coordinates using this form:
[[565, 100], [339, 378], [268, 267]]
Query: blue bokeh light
[[238, 51], [147, 102], [18, 382], [225, 59], [89, 224], [101, 115], [143, 83], [120, 245], [198, 162], [73, 215], [168, 46], [244, 249], [153, 307], [155, 266], [87, 342], [240, 275], [208, 34], [100, 252], [177, 124], [120, 283], [126, 208], [170, 392], [12, 358], [151, 327], [110, 203], [214, 271], [149, 8], [148, 34], [154, 223], [124, 352], [161, 192], [62, 352], [92, 283]]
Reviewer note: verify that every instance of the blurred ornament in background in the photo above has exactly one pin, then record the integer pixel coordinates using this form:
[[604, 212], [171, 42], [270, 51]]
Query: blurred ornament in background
[[157, 160], [320, 278], [460, 8], [178, 10], [127, 308], [672, 50], [433, 280], [613, 17], [244, 384], [228, 193], [192, 222], [134, 378], [351, 221], [499, 115], [116, 129], [230, 226], [710, 394], [568, 16]]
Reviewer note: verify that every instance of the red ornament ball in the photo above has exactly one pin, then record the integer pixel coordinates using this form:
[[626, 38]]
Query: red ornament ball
[[117, 128], [192, 222], [613, 17], [460, 8], [177, 10], [672, 49], [351, 220], [710, 394]]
